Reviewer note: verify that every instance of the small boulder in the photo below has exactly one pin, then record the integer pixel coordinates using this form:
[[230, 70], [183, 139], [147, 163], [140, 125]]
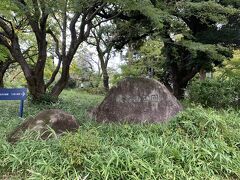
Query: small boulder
[[56, 119], [137, 100]]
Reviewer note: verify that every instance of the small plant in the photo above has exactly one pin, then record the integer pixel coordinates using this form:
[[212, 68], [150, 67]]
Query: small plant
[[80, 145]]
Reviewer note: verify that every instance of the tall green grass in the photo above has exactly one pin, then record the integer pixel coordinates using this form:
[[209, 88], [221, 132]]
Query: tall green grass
[[198, 144]]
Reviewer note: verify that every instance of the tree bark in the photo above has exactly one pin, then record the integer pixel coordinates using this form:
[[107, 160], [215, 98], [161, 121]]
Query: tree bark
[[178, 74], [1, 81], [105, 80], [3, 68], [202, 73], [62, 82], [105, 76], [179, 90]]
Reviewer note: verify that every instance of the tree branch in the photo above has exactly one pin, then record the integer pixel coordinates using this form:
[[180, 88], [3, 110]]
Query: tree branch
[[57, 49], [3, 24], [54, 74], [96, 12], [4, 41], [108, 19]]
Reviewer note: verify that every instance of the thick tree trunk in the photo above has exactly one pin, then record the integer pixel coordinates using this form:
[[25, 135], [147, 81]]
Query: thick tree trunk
[[177, 71], [179, 89], [34, 78], [36, 89]]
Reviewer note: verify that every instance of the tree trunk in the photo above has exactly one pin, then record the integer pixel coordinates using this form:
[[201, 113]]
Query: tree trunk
[[178, 74], [179, 90], [106, 81], [104, 71], [1, 81], [202, 73], [3, 68], [35, 79], [61, 84], [36, 89]]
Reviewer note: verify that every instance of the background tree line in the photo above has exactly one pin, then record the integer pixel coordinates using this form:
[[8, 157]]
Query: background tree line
[[170, 40]]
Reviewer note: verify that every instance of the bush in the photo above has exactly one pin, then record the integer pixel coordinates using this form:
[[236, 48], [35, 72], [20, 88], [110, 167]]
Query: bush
[[96, 91], [216, 93], [71, 83], [79, 145], [45, 99]]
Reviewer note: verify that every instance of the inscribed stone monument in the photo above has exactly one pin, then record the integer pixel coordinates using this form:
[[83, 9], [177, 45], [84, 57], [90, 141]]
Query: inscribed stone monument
[[137, 100]]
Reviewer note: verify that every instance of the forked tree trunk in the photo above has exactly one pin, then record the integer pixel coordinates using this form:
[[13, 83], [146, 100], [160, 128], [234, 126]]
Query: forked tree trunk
[[104, 64]]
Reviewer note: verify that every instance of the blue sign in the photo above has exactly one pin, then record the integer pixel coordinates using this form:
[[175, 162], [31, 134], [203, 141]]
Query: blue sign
[[14, 94]]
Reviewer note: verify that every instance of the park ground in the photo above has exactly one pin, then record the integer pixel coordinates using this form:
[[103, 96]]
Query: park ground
[[200, 143]]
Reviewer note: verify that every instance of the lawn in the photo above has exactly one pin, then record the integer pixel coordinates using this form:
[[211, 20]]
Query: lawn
[[198, 144]]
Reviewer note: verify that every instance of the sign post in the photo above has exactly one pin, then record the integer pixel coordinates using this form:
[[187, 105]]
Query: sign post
[[14, 94]]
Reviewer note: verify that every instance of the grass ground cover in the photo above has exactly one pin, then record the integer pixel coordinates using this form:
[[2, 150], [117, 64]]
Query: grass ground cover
[[198, 144]]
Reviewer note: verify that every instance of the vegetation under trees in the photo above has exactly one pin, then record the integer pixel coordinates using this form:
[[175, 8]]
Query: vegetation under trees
[[199, 143]]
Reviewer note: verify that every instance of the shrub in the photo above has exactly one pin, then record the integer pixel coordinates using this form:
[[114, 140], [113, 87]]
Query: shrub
[[96, 91], [71, 83], [79, 145], [45, 99], [216, 93]]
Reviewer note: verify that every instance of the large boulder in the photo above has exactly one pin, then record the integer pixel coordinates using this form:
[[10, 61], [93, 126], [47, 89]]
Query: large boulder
[[137, 100], [44, 122]]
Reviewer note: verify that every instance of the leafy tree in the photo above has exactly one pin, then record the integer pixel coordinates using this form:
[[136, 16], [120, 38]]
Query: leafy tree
[[186, 57], [147, 57], [189, 45], [101, 40], [56, 19]]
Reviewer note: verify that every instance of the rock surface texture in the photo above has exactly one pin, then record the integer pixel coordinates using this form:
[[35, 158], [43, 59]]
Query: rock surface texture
[[137, 100], [54, 119]]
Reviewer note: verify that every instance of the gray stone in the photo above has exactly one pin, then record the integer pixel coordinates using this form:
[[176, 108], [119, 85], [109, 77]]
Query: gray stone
[[137, 100], [54, 119]]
